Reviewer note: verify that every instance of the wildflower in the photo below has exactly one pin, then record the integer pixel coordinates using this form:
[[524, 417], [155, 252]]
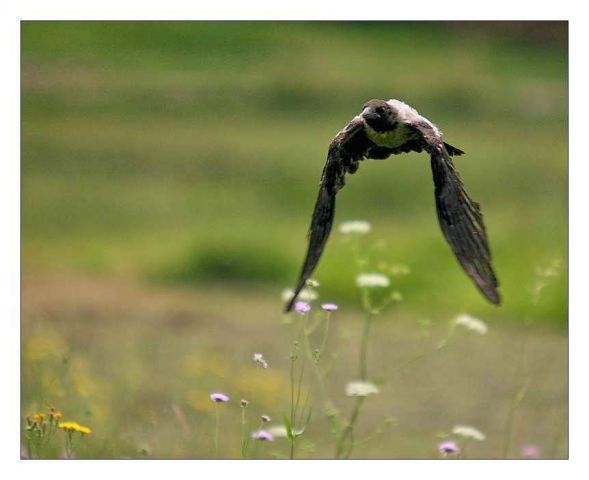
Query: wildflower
[[471, 323], [354, 226], [38, 417], [370, 280], [306, 294], [219, 397], [361, 389], [54, 414], [469, 432], [312, 283], [329, 307], [259, 358], [530, 451], [302, 307], [266, 418], [263, 435], [550, 271], [74, 427], [449, 448], [243, 402]]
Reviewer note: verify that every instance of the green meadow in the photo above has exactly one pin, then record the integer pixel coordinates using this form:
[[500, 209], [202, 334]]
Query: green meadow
[[168, 175]]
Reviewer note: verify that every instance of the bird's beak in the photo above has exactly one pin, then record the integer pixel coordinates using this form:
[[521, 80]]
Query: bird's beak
[[369, 115]]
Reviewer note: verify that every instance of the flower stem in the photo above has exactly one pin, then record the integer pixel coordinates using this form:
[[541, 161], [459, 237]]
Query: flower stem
[[364, 347], [518, 396], [243, 438], [324, 340], [292, 401], [345, 443], [216, 429]]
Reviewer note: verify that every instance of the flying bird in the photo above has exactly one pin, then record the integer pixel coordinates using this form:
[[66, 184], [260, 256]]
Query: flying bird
[[386, 128]]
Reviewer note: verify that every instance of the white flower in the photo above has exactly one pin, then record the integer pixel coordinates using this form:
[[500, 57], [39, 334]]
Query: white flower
[[372, 280], [354, 226], [259, 358], [306, 295], [471, 323], [468, 432], [312, 283], [361, 389]]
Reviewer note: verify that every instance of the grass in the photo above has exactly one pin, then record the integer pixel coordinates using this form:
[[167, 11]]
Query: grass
[[169, 172], [141, 363]]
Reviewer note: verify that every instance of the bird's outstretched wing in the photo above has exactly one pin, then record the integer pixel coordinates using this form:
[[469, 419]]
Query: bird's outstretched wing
[[460, 218], [346, 149]]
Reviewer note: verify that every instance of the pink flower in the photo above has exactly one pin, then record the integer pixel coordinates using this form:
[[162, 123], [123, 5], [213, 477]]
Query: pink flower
[[530, 451], [329, 307], [449, 448], [263, 435], [219, 397], [302, 307]]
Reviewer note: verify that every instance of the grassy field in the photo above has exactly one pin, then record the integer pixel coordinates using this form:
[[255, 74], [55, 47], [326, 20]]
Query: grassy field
[[169, 171]]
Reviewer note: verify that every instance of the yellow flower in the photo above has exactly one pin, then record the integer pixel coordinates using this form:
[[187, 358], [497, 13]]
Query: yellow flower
[[39, 417], [54, 414], [74, 427]]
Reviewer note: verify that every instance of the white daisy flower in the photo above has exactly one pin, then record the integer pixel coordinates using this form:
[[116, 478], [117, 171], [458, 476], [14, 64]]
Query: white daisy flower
[[468, 432], [372, 280], [361, 389], [471, 323], [354, 226]]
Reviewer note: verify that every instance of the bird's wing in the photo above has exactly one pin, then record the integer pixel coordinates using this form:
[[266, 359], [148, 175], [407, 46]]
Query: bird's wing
[[460, 218], [345, 150]]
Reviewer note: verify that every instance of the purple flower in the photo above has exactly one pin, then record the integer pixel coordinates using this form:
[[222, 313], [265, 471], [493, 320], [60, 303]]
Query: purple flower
[[449, 448], [302, 307], [265, 418], [329, 307], [530, 451], [219, 397], [263, 436]]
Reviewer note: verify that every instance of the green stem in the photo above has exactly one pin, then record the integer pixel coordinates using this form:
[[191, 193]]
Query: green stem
[[216, 430], [292, 396], [243, 437], [364, 347], [347, 436], [324, 341], [69, 445], [517, 398]]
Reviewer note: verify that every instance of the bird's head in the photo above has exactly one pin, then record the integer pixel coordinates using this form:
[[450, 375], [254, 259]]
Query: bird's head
[[379, 115]]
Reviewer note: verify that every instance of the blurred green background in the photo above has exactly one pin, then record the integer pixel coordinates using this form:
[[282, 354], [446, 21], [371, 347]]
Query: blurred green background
[[183, 158]]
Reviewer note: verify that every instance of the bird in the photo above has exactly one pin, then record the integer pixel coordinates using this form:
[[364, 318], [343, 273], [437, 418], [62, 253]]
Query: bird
[[392, 127]]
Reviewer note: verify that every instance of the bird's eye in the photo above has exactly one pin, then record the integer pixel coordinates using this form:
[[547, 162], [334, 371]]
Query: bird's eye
[[380, 110]]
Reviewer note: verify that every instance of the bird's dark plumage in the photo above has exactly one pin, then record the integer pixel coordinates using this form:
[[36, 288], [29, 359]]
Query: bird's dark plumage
[[389, 128]]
